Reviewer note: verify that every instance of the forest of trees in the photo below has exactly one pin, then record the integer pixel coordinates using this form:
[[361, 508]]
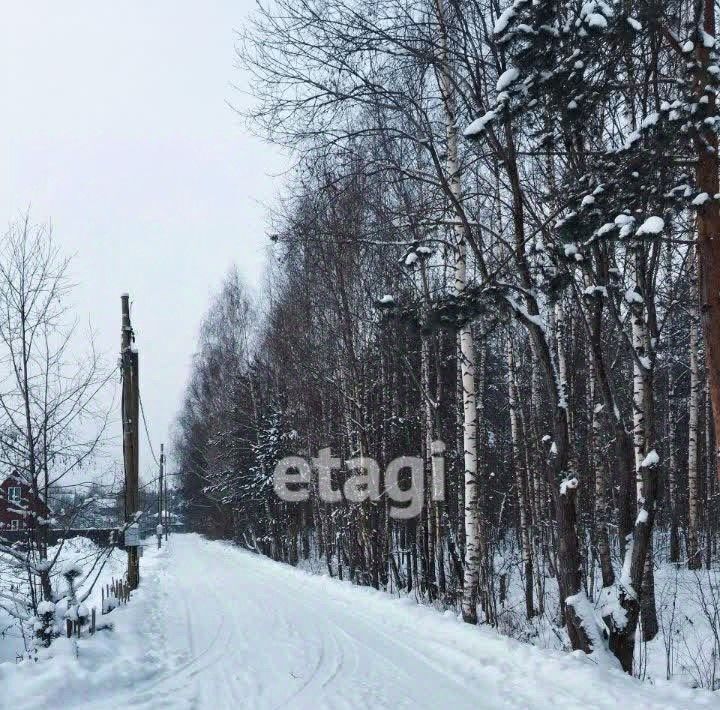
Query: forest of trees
[[501, 233]]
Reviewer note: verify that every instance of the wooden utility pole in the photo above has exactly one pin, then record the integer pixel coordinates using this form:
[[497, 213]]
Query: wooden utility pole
[[160, 516], [130, 423], [167, 511]]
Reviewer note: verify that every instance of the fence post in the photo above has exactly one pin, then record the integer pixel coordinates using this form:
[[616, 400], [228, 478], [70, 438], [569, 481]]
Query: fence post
[[68, 627], [92, 622]]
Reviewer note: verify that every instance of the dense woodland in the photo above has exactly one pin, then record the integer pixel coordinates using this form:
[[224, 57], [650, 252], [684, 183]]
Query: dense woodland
[[501, 233]]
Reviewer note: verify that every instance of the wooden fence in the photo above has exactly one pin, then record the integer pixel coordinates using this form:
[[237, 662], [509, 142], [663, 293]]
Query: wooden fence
[[73, 627], [113, 595]]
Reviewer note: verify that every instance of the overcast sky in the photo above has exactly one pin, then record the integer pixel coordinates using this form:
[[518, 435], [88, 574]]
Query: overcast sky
[[115, 126]]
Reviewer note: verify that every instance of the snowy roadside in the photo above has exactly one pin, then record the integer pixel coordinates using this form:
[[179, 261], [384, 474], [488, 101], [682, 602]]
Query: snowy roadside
[[79, 552], [513, 673], [688, 605], [72, 668]]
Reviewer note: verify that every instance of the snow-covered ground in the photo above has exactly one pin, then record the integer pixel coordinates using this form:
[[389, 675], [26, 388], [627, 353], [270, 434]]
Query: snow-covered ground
[[213, 626], [99, 568], [687, 644]]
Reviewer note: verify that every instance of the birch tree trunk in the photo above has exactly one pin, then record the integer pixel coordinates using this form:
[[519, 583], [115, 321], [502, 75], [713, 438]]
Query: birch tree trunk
[[642, 413], [467, 348], [467, 364], [641, 364]]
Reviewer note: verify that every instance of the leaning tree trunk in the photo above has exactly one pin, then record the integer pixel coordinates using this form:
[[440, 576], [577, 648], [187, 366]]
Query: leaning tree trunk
[[581, 628], [562, 483]]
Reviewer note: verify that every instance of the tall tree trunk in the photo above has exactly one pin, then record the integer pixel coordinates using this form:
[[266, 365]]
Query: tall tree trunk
[[674, 552], [520, 482], [642, 422], [710, 482], [472, 528], [602, 501], [694, 508], [672, 474], [708, 225], [467, 348]]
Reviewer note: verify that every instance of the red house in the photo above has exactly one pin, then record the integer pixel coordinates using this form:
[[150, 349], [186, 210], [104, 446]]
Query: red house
[[17, 503]]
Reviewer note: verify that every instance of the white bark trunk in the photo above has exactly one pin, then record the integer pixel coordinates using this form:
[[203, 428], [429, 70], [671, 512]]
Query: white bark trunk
[[467, 365], [639, 339], [467, 348]]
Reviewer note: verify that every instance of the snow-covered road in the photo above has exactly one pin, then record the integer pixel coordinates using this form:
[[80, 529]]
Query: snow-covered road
[[215, 627], [246, 632]]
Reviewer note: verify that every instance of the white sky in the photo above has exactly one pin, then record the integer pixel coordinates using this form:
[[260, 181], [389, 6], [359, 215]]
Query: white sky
[[114, 125]]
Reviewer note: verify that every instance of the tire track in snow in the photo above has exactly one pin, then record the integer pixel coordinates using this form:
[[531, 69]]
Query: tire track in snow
[[375, 642]]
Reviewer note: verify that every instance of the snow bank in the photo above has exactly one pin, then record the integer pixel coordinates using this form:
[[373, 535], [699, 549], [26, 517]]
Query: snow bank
[[64, 672]]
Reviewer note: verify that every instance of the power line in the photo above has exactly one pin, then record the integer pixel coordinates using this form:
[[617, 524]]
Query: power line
[[147, 433]]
